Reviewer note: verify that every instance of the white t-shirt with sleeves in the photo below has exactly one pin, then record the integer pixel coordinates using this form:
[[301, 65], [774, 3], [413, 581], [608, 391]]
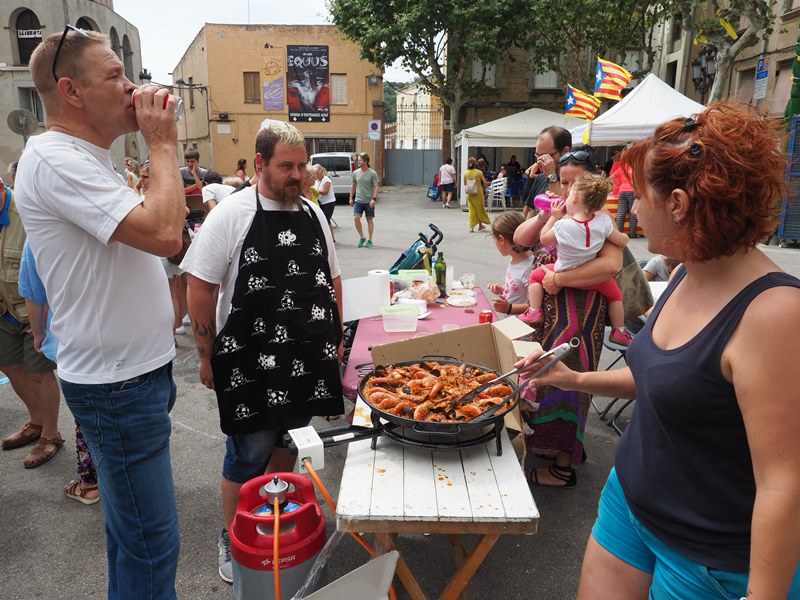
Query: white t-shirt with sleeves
[[579, 241], [214, 253], [112, 311]]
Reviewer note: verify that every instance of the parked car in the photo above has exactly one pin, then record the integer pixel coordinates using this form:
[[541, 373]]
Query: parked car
[[340, 167]]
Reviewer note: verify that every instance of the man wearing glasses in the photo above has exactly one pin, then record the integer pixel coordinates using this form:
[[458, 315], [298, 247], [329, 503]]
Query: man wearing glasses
[[543, 174], [97, 244]]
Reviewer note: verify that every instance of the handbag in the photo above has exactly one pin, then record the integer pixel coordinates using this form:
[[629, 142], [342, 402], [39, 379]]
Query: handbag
[[471, 187], [637, 298], [433, 192], [186, 239]]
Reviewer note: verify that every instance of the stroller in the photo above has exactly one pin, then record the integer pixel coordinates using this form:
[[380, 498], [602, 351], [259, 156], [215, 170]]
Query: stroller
[[413, 257]]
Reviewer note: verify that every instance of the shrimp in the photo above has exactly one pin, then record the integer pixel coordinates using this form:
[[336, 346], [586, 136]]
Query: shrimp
[[486, 377], [469, 410], [379, 381], [437, 387], [422, 411], [377, 389], [498, 390], [421, 374], [377, 397], [388, 403]]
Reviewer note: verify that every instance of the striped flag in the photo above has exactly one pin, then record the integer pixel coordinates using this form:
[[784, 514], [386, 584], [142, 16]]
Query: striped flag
[[610, 79], [580, 104]]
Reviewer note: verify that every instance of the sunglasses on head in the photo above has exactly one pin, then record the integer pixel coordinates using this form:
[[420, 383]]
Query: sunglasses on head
[[78, 32], [579, 156]]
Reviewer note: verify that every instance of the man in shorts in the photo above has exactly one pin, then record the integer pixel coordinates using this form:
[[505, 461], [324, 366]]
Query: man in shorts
[[264, 298], [363, 197], [29, 371]]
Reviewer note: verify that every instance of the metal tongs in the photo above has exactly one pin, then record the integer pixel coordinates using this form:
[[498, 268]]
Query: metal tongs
[[558, 353]]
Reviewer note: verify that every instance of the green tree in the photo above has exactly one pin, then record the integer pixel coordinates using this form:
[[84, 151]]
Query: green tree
[[729, 25], [567, 37], [437, 40], [390, 101]]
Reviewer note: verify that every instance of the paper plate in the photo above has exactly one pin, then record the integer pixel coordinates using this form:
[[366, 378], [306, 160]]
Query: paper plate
[[461, 300], [424, 315], [464, 292]]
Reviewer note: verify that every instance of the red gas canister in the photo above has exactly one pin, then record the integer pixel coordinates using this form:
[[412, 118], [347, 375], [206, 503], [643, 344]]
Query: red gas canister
[[301, 538]]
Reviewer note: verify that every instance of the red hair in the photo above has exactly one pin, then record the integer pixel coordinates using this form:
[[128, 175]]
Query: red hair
[[729, 161]]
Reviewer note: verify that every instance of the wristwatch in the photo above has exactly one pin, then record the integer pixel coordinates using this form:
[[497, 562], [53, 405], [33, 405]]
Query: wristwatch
[[552, 178]]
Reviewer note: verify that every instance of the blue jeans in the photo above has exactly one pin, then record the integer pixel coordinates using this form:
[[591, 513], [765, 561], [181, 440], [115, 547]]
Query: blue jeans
[[127, 427]]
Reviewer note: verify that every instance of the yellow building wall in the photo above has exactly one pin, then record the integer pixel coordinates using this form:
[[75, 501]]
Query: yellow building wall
[[220, 55]]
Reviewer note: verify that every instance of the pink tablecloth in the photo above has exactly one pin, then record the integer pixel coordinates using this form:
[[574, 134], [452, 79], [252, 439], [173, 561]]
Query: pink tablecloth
[[370, 332]]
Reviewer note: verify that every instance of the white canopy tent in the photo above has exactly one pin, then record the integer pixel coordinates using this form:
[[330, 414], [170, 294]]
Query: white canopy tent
[[637, 115], [519, 130]]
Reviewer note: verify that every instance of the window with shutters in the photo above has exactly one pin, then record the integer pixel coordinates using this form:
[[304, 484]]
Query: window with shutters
[[744, 92], [338, 88], [252, 87], [783, 87], [547, 80]]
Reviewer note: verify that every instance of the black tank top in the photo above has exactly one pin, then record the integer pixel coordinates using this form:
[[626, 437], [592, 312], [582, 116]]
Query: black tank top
[[684, 461]]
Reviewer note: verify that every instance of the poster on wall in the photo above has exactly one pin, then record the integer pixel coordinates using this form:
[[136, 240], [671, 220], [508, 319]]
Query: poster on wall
[[307, 84], [272, 92]]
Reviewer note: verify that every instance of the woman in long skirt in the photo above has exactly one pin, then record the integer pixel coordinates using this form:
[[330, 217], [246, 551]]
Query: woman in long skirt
[[474, 182]]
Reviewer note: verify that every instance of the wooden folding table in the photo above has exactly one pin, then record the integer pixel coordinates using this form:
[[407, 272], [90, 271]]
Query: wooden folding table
[[397, 489]]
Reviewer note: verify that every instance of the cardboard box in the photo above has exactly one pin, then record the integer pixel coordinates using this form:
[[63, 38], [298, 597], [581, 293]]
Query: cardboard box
[[494, 345]]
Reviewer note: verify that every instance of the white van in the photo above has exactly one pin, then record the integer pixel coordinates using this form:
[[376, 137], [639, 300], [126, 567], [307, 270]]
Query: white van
[[340, 167]]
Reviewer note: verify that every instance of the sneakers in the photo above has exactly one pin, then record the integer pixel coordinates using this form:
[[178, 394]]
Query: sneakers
[[180, 330], [186, 320], [361, 242], [225, 565], [532, 316], [620, 336], [369, 243]]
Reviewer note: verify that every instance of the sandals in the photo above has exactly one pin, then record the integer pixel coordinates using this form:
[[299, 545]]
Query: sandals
[[565, 474], [28, 434], [77, 491], [40, 454]]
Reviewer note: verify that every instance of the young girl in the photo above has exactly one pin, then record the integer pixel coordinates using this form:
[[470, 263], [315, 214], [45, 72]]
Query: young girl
[[580, 238], [512, 296]]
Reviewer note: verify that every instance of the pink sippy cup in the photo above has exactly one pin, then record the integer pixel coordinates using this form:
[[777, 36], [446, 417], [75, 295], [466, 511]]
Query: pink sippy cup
[[545, 202]]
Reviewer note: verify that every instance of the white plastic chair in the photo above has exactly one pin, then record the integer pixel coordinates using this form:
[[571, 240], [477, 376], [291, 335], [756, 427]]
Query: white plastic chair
[[497, 194]]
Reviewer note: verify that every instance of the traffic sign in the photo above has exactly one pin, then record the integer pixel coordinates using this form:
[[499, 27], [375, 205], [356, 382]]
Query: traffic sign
[[762, 76], [374, 130]]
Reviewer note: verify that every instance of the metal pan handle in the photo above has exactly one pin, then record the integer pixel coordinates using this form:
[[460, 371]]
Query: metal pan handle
[[416, 429]]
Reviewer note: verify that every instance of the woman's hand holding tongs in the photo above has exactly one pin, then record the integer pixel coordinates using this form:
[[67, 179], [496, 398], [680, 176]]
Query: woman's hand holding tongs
[[544, 370]]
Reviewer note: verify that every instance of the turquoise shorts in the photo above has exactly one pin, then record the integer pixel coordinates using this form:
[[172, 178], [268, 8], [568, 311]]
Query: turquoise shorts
[[675, 577]]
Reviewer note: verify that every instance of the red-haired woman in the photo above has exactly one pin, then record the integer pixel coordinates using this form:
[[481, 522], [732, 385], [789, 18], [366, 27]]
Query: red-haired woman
[[704, 499]]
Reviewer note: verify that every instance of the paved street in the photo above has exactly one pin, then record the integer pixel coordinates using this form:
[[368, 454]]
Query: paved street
[[53, 547]]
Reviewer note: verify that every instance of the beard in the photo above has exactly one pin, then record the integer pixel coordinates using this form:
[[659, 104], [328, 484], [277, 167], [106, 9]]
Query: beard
[[287, 196]]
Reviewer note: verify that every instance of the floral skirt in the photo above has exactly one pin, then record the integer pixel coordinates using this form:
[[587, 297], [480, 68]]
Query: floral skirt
[[558, 423]]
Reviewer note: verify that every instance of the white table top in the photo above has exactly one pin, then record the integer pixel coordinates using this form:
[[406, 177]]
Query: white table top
[[396, 488]]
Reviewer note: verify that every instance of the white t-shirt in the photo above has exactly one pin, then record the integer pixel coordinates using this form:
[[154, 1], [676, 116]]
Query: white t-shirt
[[516, 285], [578, 241], [112, 312], [214, 253], [216, 192], [330, 196], [447, 174], [658, 267]]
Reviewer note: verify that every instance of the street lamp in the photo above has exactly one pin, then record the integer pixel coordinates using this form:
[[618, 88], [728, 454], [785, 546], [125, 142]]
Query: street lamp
[[704, 69], [145, 77], [191, 86]]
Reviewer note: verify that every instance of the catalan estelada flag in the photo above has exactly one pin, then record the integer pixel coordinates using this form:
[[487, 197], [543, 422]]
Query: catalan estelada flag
[[580, 104], [610, 79]]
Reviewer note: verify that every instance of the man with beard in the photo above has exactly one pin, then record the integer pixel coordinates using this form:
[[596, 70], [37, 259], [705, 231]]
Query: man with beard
[[265, 302]]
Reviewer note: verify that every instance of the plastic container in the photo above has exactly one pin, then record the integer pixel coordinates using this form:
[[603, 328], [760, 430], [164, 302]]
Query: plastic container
[[401, 317]]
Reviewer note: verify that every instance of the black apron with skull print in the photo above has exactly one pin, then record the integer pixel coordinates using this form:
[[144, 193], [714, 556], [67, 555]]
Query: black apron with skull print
[[276, 357]]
